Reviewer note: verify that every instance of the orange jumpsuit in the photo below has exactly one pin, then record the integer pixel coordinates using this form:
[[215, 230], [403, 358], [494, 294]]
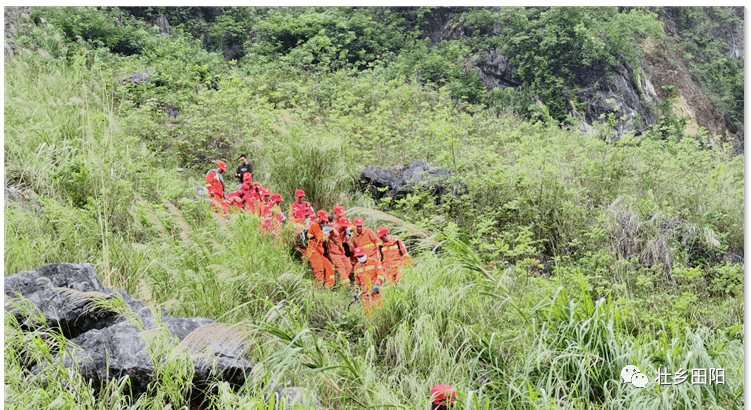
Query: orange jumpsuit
[[253, 203], [368, 240], [395, 259], [366, 275], [262, 207], [297, 211], [215, 184], [341, 262], [323, 270]]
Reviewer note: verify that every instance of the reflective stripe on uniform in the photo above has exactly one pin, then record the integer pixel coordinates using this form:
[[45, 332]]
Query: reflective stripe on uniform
[[368, 245], [370, 267]]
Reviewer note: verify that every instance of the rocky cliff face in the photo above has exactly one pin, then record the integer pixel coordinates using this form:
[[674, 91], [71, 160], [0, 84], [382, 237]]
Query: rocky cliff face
[[631, 96], [663, 72]]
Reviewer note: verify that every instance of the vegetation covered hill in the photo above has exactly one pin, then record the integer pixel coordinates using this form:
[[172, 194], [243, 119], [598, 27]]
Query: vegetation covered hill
[[570, 258]]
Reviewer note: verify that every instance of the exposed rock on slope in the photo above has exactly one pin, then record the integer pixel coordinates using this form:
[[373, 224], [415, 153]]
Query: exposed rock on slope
[[114, 343], [398, 183]]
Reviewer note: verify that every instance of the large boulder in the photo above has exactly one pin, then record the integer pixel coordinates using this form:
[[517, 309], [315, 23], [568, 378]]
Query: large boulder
[[398, 183], [122, 350], [15, 196], [139, 77], [67, 295]]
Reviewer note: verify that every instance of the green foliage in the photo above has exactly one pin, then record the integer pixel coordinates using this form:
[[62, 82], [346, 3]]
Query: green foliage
[[569, 258], [329, 38], [554, 48], [99, 27], [315, 163]]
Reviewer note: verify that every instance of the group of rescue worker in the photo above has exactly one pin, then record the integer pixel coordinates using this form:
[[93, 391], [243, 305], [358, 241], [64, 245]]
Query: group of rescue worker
[[370, 259], [360, 257]]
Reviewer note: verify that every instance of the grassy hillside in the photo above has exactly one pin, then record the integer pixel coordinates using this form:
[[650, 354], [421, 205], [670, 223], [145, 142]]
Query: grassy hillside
[[569, 259]]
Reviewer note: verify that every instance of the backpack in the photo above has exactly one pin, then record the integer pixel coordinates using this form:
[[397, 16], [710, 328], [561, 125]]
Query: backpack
[[301, 239]]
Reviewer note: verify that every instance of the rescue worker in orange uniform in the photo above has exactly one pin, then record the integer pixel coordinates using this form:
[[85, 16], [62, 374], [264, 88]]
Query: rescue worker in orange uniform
[[395, 257], [300, 208], [264, 202], [368, 281], [338, 213], [215, 186], [273, 208], [253, 201], [349, 248], [215, 182], [273, 219], [365, 238], [341, 262], [323, 270], [442, 396]]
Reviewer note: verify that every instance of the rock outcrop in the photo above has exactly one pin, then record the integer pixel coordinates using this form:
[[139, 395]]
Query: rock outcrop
[[114, 340], [398, 183]]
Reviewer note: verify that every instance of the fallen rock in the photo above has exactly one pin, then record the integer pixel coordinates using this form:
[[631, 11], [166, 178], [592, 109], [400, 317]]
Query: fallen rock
[[122, 350], [18, 197], [398, 183], [66, 294], [138, 77], [172, 111]]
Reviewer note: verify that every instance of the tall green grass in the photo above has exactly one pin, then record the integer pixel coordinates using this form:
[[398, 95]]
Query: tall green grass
[[101, 158]]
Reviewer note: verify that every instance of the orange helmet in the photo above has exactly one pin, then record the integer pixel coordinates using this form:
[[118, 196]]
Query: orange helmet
[[344, 222], [382, 231], [299, 193], [323, 215], [359, 251], [339, 210], [222, 166], [358, 222], [443, 395], [276, 198]]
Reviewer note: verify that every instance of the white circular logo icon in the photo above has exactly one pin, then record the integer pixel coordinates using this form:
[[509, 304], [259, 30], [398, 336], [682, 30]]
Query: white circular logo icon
[[639, 380], [628, 372]]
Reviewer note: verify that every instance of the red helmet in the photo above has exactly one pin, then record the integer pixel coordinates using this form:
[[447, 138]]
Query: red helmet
[[442, 394], [339, 210], [265, 192], [344, 222], [222, 166], [358, 222], [359, 251], [276, 198], [382, 231], [299, 193], [323, 215]]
